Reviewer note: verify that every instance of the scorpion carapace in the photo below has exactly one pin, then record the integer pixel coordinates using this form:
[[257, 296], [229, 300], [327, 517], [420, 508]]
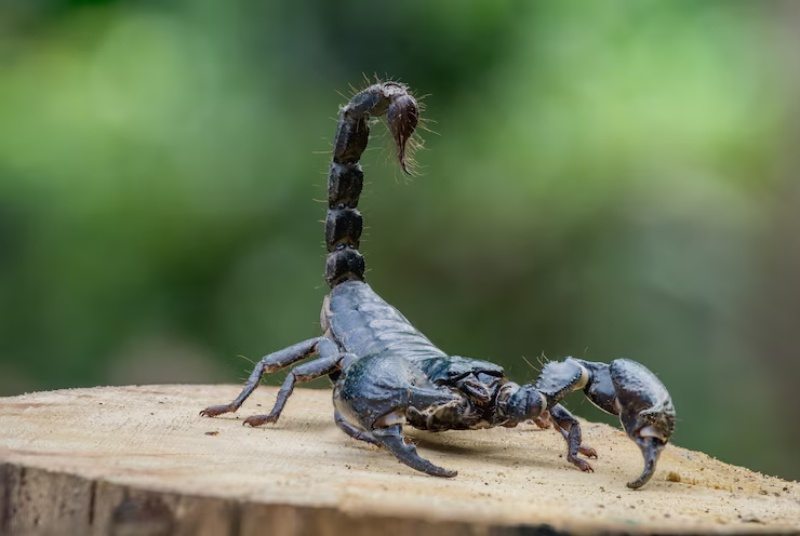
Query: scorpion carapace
[[386, 374]]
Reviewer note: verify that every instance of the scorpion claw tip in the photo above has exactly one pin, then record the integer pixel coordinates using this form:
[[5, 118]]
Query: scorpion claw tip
[[651, 450], [639, 482]]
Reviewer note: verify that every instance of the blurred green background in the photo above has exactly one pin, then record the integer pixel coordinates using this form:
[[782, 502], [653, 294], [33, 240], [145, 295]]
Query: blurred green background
[[605, 179]]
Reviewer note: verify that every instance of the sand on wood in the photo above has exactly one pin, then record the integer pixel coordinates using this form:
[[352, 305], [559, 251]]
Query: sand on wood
[[141, 458]]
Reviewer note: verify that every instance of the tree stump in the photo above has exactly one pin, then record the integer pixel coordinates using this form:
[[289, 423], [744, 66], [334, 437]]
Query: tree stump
[[140, 460]]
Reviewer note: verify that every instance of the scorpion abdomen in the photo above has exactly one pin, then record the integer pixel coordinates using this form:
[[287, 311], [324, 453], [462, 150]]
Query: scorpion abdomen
[[364, 324]]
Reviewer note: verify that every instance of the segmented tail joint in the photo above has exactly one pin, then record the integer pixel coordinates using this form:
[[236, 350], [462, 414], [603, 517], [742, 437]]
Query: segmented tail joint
[[344, 224]]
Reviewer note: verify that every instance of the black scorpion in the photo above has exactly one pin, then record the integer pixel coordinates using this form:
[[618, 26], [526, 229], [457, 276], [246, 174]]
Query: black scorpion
[[386, 373]]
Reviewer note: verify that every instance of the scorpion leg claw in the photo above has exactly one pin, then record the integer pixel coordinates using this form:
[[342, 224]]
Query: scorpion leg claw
[[213, 411], [581, 464], [258, 420]]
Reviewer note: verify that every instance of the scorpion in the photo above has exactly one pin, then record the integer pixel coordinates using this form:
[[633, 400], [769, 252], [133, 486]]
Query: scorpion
[[386, 374]]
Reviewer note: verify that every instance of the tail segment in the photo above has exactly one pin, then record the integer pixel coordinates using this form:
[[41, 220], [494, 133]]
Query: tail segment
[[344, 224]]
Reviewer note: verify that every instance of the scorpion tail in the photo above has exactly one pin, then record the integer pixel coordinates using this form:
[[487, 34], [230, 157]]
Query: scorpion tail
[[344, 224]]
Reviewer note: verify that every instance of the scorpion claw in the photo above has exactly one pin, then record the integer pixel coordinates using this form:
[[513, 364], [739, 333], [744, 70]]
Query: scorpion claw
[[651, 449], [392, 439], [646, 412], [624, 388]]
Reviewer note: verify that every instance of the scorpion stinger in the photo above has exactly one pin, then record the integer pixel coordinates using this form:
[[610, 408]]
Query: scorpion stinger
[[386, 374]]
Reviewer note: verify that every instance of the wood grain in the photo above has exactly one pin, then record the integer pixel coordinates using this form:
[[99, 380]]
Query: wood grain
[[140, 460]]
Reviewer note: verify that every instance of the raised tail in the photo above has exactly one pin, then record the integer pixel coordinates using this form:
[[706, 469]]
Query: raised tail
[[344, 224]]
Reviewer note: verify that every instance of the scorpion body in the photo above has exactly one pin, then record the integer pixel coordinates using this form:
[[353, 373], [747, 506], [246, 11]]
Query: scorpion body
[[387, 374]]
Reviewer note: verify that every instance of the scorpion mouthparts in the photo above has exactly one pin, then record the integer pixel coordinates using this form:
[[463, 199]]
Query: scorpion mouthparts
[[402, 116]]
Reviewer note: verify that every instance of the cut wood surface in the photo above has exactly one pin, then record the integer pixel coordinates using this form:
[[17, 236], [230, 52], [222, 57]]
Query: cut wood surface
[[140, 460]]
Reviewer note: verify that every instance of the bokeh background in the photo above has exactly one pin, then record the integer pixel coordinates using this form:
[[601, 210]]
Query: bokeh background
[[603, 179]]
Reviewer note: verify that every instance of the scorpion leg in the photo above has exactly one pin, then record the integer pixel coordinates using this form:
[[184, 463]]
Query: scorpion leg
[[569, 427], [269, 363], [327, 363], [542, 421], [392, 438], [352, 431], [545, 421], [517, 403], [302, 373]]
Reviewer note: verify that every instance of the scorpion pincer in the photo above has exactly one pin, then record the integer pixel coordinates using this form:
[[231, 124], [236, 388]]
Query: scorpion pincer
[[386, 374]]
